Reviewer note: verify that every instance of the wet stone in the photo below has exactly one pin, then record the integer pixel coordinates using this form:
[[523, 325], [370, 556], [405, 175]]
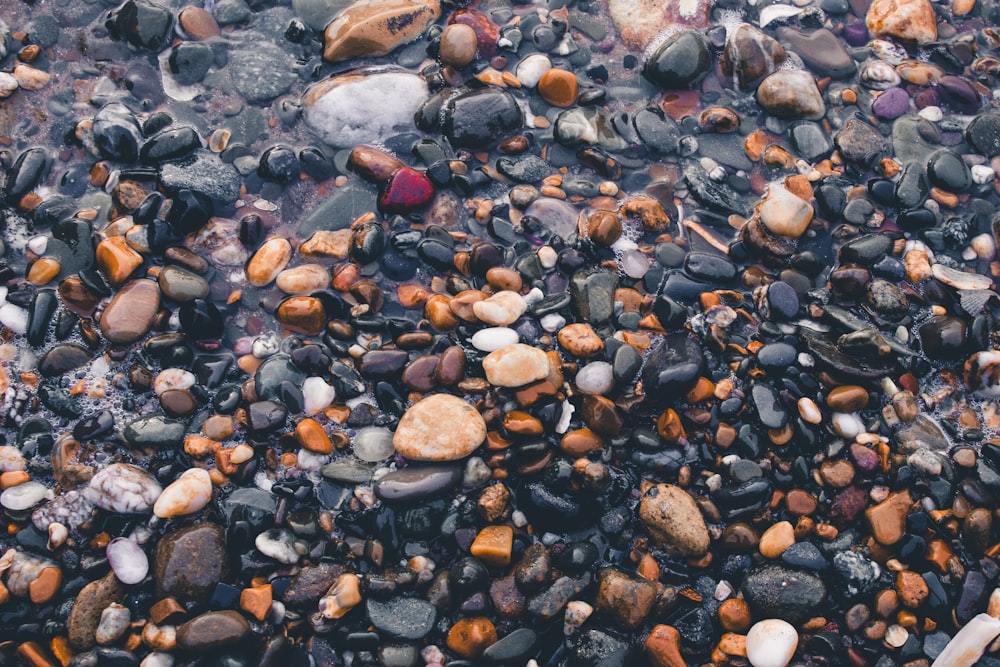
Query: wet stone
[[525, 168], [188, 563], [479, 118], [859, 142], [212, 630], [402, 618], [680, 60], [779, 592], [202, 172], [821, 51]]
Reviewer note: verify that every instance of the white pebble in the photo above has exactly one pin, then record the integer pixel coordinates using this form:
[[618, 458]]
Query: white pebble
[[373, 444], [847, 425], [114, 622], [968, 644], [14, 318], [564, 418], [38, 244], [24, 496], [173, 378], [771, 643], [309, 461], [500, 309], [123, 488], [577, 612], [8, 85], [531, 69], [982, 174], [11, 459], [596, 378], [552, 322], [57, 535], [128, 561], [316, 395], [635, 264], [158, 659], [984, 246], [265, 345], [277, 543], [933, 114], [491, 339]]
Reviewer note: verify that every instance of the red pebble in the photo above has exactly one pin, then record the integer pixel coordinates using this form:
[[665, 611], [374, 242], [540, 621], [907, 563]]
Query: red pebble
[[407, 190]]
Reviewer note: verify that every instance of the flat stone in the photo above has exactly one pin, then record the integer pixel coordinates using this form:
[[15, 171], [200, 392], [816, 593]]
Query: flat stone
[[188, 563], [515, 365], [377, 27], [440, 427], [774, 591], [129, 315], [402, 618], [674, 521], [90, 603], [212, 630]]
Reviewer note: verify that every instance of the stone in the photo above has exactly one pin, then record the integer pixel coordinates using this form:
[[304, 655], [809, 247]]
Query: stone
[[674, 521], [580, 339], [887, 520], [114, 622], [407, 190], [201, 172], [750, 55], [791, 94], [822, 52], [470, 636], [129, 315], [558, 87], [402, 617], [771, 643], [188, 563], [516, 365], [784, 213], [440, 427], [479, 118], [259, 73], [493, 545], [625, 599], [302, 279], [910, 21], [212, 630], [640, 21], [340, 109], [117, 260], [128, 561], [123, 488], [776, 539], [90, 603], [500, 309], [459, 45], [859, 142], [776, 591], [268, 261], [377, 27], [680, 60], [188, 494], [672, 367], [663, 647]]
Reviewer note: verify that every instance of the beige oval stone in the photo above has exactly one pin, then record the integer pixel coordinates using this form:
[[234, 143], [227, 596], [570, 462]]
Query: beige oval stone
[[269, 260], [326, 244], [130, 313], [776, 539], [376, 27], [515, 365], [303, 279], [440, 427], [186, 495], [784, 213], [500, 309], [674, 521]]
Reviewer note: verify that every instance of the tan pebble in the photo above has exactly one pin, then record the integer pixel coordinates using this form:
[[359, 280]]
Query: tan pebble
[[30, 78], [493, 545], [674, 521], [458, 45], [303, 279], [186, 495], [910, 21], [269, 260], [312, 437], [198, 23], [515, 365], [159, 637], [500, 309], [580, 339], [8, 85], [343, 596], [440, 427], [776, 539], [327, 245], [376, 28], [241, 454]]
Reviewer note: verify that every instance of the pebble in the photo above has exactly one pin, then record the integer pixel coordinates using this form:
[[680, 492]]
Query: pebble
[[515, 365], [114, 622], [771, 643], [558, 87], [188, 563], [501, 309], [188, 494], [128, 561], [123, 488], [459, 45], [791, 94], [129, 315], [90, 603], [374, 29], [439, 427], [492, 339], [212, 630], [910, 21], [784, 213], [674, 521]]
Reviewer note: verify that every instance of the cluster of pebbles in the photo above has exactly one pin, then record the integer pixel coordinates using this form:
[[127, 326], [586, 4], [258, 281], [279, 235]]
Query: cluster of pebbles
[[588, 333]]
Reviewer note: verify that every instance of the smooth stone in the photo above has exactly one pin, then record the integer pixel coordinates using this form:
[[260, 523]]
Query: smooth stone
[[679, 60], [750, 55], [779, 592], [891, 104], [339, 109], [415, 483], [791, 94], [63, 358], [440, 427], [516, 365], [402, 617], [477, 119], [596, 378], [188, 494], [90, 603], [674, 521], [212, 630], [822, 52], [190, 562], [180, 284], [459, 45], [128, 561], [859, 142], [375, 28], [983, 133], [771, 643], [784, 213], [639, 22], [23, 496], [626, 599], [672, 367], [373, 444], [500, 309], [491, 339], [202, 172], [155, 431], [129, 315], [123, 488]]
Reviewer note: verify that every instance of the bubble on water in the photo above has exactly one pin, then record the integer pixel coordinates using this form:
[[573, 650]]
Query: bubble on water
[[731, 19]]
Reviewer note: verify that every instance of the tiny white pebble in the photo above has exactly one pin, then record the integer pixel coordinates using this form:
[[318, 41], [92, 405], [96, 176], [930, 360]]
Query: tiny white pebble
[[933, 114], [982, 174]]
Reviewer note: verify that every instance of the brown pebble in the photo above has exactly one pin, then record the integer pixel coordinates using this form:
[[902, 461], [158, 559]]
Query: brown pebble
[[581, 339], [604, 227], [734, 615], [256, 601], [198, 23], [663, 647], [848, 398], [313, 437], [43, 271], [837, 473], [493, 545], [887, 520], [502, 278], [558, 87], [46, 585], [302, 314], [458, 45], [911, 588], [469, 637]]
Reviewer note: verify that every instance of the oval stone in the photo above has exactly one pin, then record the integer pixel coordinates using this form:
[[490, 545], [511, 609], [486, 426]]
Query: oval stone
[[440, 427]]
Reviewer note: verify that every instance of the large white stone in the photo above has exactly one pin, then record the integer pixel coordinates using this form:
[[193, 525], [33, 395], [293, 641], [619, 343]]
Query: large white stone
[[440, 427], [351, 109], [186, 495], [771, 643]]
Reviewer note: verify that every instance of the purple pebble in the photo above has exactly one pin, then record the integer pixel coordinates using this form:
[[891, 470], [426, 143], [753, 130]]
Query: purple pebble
[[893, 103], [856, 34]]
